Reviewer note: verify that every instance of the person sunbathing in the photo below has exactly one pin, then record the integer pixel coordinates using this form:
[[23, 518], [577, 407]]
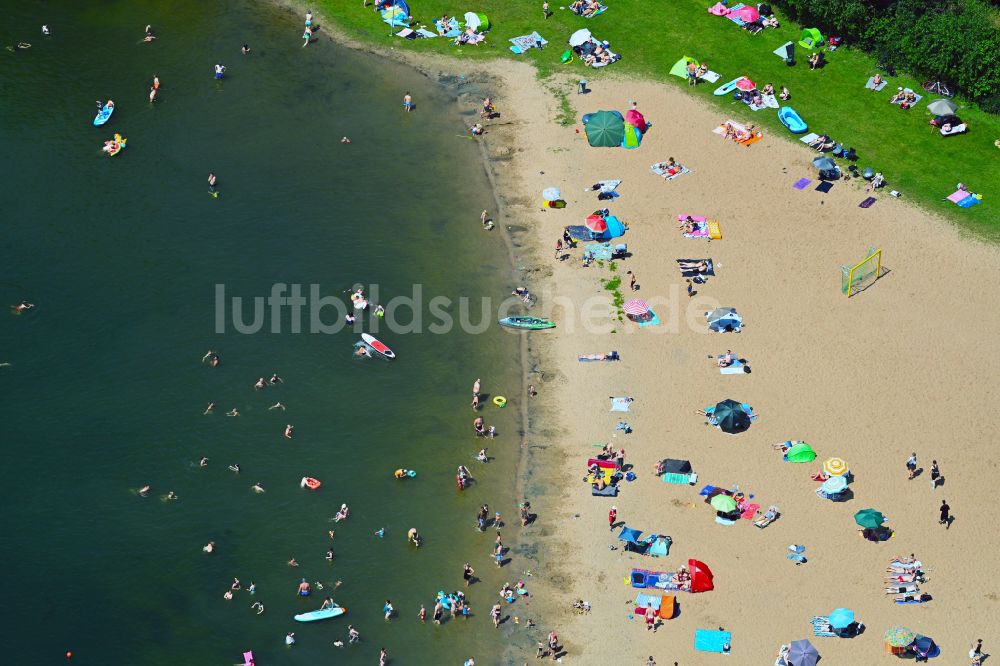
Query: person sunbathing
[[768, 517], [730, 131], [697, 266], [769, 22], [610, 356], [577, 6], [899, 96], [600, 484], [591, 8], [913, 599], [818, 141], [702, 70], [768, 89], [878, 180], [757, 100], [814, 60], [877, 80], [727, 359], [910, 98], [785, 93], [688, 226]]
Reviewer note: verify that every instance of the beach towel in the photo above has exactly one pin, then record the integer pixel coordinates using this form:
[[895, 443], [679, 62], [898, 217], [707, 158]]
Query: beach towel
[[694, 273], [710, 76], [600, 10], [527, 42], [724, 521], [809, 138], [621, 404], [970, 201], [821, 626], [706, 491], [867, 203], [248, 658], [736, 19], [721, 128], [454, 31], [679, 479], [824, 187], [750, 511], [608, 491], [613, 356], [668, 174], [782, 51], [752, 140], [655, 321], [700, 231], [880, 86], [909, 90], [473, 38], [801, 183], [712, 641]]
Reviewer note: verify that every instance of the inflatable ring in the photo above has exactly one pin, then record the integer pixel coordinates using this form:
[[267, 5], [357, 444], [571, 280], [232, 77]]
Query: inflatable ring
[[500, 401], [310, 483]]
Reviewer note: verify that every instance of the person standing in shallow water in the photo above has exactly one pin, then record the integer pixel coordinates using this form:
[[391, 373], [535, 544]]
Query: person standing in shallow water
[[407, 102]]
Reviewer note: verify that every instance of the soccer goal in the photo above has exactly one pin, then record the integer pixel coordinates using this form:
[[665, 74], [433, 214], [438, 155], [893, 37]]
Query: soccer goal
[[861, 276]]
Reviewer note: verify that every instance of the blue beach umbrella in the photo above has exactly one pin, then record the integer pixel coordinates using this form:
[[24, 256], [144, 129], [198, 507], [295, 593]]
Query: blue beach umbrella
[[802, 653], [834, 485], [841, 618]]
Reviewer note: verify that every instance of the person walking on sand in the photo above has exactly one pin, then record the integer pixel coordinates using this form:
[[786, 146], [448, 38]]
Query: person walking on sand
[[559, 248], [631, 281], [945, 514], [612, 517], [650, 618], [911, 465], [407, 102], [935, 474]]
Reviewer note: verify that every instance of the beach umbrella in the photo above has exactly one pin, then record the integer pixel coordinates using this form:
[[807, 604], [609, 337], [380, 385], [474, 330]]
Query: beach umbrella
[[635, 119], [824, 163], [869, 518], [834, 485], [551, 194], [723, 503], [925, 647], [581, 36], [720, 313], [597, 223], [800, 453], [835, 467], [802, 653], [748, 14], [841, 618], [731, 417], [942, 107], [900, 637], [746, 84], [636, 306], [605, 130]]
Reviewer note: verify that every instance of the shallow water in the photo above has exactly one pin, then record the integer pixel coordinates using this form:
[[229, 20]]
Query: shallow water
[[105, 392]]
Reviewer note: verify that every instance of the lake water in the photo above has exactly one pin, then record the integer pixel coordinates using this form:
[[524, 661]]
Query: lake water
[[105, 390]]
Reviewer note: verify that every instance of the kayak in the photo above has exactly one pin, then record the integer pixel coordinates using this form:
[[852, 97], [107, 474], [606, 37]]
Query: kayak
[[727, 88], [104, 114], [324, 614], [528, 323], [377, 346]]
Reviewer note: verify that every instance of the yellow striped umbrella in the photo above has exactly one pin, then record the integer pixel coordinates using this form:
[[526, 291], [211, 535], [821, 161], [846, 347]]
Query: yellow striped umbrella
[[835, 467]]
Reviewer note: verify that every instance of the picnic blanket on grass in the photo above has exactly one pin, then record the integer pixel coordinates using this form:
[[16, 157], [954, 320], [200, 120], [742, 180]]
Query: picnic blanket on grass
[[871, 80], [964, 198], [527, 42], [454, 31], [915, 102], [600, 10]]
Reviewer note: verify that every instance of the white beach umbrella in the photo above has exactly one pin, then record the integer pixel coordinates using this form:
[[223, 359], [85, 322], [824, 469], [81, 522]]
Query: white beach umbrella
[[581, 36]]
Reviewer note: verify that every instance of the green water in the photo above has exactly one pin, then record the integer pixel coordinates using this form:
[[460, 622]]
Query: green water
[[105, 392]]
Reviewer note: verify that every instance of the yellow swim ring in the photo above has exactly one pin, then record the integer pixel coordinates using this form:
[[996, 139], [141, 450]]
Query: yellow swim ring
[[500, 401]]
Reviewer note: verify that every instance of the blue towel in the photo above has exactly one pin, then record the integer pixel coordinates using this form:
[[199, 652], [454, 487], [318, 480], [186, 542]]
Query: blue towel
[[620, 404], [712, 641], [454, 32], [525, 42], [706, 491]]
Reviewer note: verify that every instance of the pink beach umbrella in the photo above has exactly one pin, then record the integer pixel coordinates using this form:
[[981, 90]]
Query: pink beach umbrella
[[746, 84], [748, 14], [636, 307], [597, 224], [635, 119]]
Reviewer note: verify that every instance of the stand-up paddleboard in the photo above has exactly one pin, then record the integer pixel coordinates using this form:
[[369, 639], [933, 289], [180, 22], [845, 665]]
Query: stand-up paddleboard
[[378, 346], [727, 88], [324, 614], [104, 114]]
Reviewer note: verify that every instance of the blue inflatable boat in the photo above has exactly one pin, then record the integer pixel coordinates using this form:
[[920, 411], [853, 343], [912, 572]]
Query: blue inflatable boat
[[791, 120]]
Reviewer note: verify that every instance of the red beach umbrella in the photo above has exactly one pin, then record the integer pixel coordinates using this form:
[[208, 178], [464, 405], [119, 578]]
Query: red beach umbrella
[[636, 306], [746, 84], [597, 223]]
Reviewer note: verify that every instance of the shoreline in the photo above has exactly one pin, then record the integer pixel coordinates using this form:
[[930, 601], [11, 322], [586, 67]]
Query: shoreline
[[917, 241]]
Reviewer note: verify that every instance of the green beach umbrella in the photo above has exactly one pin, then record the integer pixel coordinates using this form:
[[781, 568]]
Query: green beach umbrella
[[731, 417], [605, 130], [869, 518], [723, 503], [801, 453], [900, 636]]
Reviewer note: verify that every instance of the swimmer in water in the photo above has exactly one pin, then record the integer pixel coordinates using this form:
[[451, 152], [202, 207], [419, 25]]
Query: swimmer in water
[[349, 319], [260, 384], [329, 555], [476, 384], [304, 588], [211, 357], [203, 462], [380, 532], [208, 410], [276, 405], [245, 49], [342, 514], [209, 547], [228, 596], [235, 468], [257, 488], [362, 351], [152, 95], [275, 379], [482, 457], [413, 537], [345, 140], [144, 490], [328, 603], [22, 307], [332, 533], [259, 606], [289, 431], [236, 585], [253, 587], [290, 639], [475, 402], [171, 495], [379, 311], [233, 412], [293, 563], [156, 82], [45, 30]]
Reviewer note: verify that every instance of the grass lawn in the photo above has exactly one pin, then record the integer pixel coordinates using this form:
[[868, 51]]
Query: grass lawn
[[651, 37]]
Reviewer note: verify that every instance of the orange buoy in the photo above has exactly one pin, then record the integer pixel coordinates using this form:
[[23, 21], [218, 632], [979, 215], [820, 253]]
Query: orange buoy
[[310, 483]]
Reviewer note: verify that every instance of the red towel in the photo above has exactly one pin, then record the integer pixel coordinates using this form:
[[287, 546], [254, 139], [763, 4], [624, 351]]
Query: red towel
[[750, 511]]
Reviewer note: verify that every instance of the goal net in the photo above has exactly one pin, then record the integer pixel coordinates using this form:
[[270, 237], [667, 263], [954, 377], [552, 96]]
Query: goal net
[[861, 276]]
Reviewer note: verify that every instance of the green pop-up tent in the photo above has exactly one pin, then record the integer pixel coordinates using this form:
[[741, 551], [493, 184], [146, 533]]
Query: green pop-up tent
[[605, 129], [680, 67], [811, 38]]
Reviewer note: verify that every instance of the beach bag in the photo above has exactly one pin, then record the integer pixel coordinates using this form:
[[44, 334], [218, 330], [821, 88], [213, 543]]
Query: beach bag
[[566, 56]]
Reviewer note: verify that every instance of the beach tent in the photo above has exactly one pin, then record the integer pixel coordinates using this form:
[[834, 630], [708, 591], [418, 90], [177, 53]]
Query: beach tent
[[477, 22], [724, 319], [701, 576], [802, 653], [632, 138], [800, 453], [680, 67], [636, 120], [660, 547], [615, 229], [605, 129], [811, 38], [580, 37], [671, 466]]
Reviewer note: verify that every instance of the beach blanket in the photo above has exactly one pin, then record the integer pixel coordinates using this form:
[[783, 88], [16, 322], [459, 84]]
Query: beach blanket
[[608, 491], [600, 10], [724, 521], [737, 367], [736, 19], [909, 90], [527, 42], [824, 187], [454, 31], [471, 38], [395, 17], [749, 511], [964, 198], [621, 404], [655, 321], [871, 80], [809, 138], [712, 641], [668, 174], [578, 232], [782, 51], [680, 479], [419, 33], [867, 203], [821, 626], [590, 358], [694, 273], [701, 229], [643, 601]]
